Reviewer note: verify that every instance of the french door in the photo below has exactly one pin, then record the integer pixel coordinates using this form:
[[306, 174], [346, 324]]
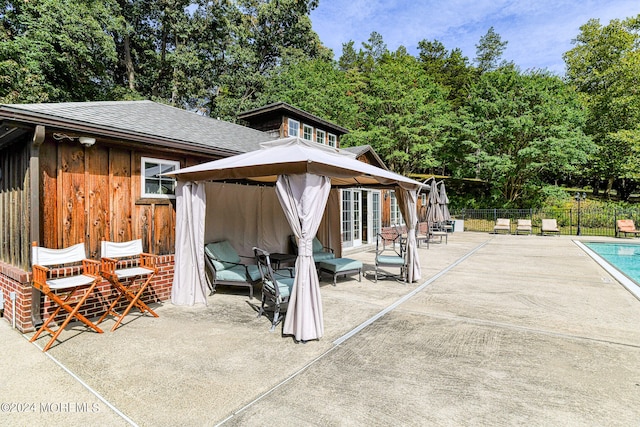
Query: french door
[[351, 224]]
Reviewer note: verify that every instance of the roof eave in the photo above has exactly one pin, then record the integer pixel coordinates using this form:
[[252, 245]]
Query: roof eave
[[20, 116]]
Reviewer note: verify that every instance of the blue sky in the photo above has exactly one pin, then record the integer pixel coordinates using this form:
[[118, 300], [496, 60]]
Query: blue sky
[[538, 32]]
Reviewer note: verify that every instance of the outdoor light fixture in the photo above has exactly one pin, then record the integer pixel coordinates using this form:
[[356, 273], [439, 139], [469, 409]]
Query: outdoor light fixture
[[579, 197], [87, 141]]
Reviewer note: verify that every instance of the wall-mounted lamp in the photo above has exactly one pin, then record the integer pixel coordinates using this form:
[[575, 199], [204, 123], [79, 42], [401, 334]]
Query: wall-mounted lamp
[[87, 141]]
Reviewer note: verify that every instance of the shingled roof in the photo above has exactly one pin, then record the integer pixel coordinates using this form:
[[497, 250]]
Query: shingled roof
[[142, 121]]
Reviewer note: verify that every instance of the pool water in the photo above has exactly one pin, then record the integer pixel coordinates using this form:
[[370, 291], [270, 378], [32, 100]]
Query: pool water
[[625, 257]]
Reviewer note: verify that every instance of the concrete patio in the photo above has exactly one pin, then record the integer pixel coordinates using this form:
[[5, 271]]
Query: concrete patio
[[501, 330]]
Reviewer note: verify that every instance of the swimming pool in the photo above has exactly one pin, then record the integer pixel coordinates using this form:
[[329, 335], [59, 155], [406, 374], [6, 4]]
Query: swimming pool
[[621, 260]]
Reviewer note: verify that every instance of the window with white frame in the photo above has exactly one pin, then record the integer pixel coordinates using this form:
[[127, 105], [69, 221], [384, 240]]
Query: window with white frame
[[294, 127], [396, 215], [331, 138], [154, 184], [320, 136], [307, 132]]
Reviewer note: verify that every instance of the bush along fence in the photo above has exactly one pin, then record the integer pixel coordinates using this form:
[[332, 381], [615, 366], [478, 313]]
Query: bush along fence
[[586, 221]]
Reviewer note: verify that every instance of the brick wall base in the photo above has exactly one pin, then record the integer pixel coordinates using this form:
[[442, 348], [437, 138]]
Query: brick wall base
[[15, 280]]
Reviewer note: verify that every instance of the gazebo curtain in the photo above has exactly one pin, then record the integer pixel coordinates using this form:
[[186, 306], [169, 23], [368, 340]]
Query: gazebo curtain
[[303, 198], [189, 284], [407, 201]]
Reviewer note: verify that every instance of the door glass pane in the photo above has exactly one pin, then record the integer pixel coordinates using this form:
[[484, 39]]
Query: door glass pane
[[346, 216], [375, 209]]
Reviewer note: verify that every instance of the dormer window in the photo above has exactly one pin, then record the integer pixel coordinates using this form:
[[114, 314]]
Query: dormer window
[[307, 132], [320, 136], [294, 128], [332, 140]]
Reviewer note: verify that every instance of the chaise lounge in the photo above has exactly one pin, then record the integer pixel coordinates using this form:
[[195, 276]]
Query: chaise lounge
[[226, 268], [502, 224], [524, 226], [626, 226], [549, 226]]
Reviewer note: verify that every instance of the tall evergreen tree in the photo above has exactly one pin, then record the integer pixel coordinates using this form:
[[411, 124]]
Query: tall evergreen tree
[[489, 51]]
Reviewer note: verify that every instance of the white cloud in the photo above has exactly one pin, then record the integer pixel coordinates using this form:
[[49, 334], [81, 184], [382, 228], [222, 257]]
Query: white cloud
[[537, 32]]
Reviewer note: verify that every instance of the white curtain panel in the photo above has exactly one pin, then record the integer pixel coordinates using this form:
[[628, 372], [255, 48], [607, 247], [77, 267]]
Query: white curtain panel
[[407, 200], [189, 284], [303, 199]]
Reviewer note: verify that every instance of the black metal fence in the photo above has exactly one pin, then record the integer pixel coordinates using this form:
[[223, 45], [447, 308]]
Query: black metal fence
[[590, 221]]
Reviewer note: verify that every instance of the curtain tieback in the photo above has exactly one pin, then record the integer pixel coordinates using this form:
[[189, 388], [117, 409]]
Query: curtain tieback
[[305, 248]]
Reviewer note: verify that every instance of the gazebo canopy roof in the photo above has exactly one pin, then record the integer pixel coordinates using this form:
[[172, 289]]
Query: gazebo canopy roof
[[292, 156]]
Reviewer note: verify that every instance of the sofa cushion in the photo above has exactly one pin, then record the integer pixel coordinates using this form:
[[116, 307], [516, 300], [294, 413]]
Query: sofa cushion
[[284, 286], [222, 254], [321, 256], [317, 246], [338, 265]]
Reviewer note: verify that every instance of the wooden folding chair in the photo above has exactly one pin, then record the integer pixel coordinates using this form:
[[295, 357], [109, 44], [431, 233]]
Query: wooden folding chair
[[129, 281], [78, 285]]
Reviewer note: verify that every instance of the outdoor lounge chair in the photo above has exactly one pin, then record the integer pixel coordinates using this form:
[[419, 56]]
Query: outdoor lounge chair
[[276, 287], [226, 268], [549, 226], [130, 271], [626, 226], [502, 224], [320, 252], [77, 286], [390, 257], [524, 226], [439, 229]]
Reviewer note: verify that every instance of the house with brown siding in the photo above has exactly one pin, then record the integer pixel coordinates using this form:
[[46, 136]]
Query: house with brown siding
[[87, 172], [90, 171]]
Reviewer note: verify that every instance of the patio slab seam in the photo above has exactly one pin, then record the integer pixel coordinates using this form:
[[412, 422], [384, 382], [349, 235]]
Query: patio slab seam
[[84, 384], [356, 330]]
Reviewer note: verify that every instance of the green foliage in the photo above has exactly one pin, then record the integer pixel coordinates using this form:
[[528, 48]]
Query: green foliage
[[316, 86], [513, 133], [56, 50], [517, 129], [489, 50], [604, 66], [404, 114]]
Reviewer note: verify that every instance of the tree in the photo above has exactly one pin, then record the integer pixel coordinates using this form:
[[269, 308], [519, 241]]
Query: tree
[[404, 114], [265, 34], [450, 69], [316, 86], [489, 50], [56, 50], [519, 129], [604, 67]]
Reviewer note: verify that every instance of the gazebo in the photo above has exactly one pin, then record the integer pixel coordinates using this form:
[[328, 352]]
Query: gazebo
[[303, 173]]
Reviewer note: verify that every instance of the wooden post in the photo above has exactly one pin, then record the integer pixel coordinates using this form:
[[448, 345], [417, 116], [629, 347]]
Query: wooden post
[[34, 214]]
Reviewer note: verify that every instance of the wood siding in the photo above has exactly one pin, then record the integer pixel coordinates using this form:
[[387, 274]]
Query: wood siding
[[14, 203], [93, 193]]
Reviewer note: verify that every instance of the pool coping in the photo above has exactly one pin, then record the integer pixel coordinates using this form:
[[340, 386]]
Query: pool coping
[[623, 279]]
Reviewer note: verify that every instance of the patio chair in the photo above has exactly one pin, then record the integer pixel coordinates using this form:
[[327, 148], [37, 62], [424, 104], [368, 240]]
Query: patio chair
[[502, 224], [439, 229], [626, 226], [68, 292], [129, 270], [226, 268], [320, 252], [393, 257], [549, 226], [524, 226], [276, 287]]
